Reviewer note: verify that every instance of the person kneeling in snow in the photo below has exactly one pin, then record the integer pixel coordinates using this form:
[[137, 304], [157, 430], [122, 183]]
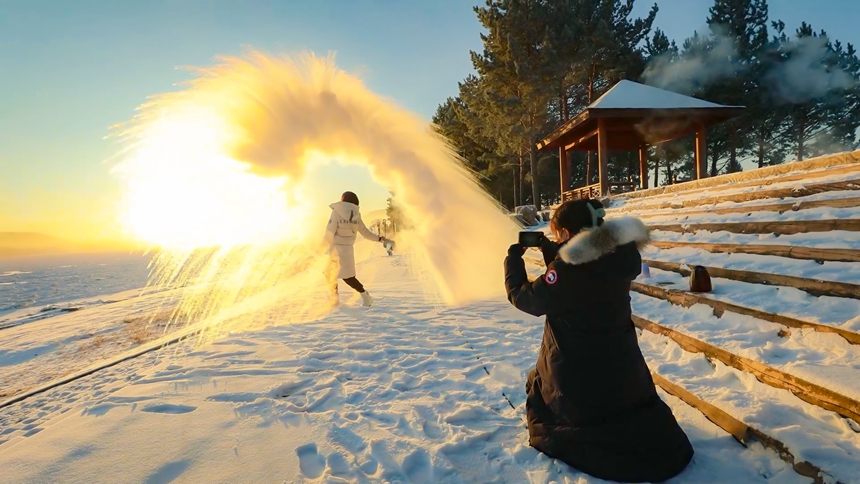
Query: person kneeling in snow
[[343, 225], [591, 400]]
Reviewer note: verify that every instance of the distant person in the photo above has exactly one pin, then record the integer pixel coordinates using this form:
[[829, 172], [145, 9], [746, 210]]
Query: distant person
[[343, 226], [591, 401]]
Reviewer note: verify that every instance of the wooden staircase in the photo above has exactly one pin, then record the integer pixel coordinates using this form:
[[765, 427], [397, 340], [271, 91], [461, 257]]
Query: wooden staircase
[[794, 228]]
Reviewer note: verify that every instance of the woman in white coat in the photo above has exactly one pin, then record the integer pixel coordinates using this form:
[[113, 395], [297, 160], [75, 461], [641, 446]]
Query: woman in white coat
[[343, 227]]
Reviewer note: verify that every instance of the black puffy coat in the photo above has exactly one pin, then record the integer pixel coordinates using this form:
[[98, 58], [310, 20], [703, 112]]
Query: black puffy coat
[[591, 400]]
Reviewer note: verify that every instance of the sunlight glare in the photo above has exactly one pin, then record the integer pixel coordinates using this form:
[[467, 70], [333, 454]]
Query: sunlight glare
[[184, 192]]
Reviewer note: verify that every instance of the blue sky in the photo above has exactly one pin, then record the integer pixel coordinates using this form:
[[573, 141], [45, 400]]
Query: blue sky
[[71, 69]]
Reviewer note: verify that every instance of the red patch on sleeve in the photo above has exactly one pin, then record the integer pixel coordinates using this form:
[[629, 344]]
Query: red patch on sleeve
[[551, 277]]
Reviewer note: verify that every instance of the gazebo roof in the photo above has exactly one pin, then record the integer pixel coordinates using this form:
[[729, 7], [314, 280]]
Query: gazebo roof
[[636, 115]]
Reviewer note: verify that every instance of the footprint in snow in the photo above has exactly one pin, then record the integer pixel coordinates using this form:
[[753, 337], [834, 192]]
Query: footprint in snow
[[311, 463], [169, 408], [291, 388], [338, 464], [418, 468], [432, 430]]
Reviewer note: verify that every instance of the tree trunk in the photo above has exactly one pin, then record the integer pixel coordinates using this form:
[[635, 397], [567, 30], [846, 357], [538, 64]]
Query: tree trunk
[[515, 172], [589, 168], [734, 163], [669, 175], [714, 157], [569, 162], [656, 169], [631, 169], [591, 78], [562, 105], [589, 171], [800, 132], [534, 166], [733, 157], [522, 179], [761, 141]]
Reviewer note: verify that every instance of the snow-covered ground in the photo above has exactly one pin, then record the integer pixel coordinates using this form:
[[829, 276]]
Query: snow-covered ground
[[37, 348], [406, 391]]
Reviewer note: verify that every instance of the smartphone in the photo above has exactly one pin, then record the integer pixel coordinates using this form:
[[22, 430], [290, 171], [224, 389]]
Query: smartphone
[[531, 239]]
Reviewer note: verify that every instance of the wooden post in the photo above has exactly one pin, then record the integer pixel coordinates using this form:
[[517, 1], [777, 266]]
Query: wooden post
[[701, 152], [602, 157], [643, 167], [564, 174]]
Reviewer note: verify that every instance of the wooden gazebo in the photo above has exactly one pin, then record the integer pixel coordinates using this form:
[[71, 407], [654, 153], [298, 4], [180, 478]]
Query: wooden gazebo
[[631, 117]]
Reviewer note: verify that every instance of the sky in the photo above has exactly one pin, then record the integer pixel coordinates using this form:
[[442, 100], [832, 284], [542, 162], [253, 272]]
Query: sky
[[71, 70]]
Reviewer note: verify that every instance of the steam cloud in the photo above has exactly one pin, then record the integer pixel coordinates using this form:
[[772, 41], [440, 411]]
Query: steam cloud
[[803, 76], [276, 117], [687, 74]]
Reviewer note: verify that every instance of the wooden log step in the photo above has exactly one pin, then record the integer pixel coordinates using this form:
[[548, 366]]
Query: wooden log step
[[784, 227], [687, 299], [742, 432], [802, 389], [824, 166], [816, 287], [755, 182], [746, 196], [851, 202], [788, 251]]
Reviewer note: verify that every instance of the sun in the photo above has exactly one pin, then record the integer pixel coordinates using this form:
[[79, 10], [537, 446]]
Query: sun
[[182, 191]]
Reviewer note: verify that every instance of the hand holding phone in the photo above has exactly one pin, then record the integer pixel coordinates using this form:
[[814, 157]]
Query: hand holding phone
[[531, 239]]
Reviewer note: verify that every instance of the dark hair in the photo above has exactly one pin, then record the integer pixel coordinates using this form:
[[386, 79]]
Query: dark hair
[[575, 215], [350, 198]]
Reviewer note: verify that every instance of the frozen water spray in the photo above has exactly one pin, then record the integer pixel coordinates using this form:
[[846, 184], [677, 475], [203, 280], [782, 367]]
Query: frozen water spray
[[215, 175]]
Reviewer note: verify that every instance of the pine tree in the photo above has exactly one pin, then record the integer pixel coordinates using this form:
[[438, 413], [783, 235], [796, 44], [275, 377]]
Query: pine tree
[[396, 218], [484, 121], [565, 41], [455, 122], [844, 115], [660, 50], [817, 82], [743, 23], [767, 114], [515, 70], [613, 51]]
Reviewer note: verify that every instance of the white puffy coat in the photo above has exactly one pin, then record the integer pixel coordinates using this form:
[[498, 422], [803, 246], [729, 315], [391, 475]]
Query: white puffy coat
[[343, 226]]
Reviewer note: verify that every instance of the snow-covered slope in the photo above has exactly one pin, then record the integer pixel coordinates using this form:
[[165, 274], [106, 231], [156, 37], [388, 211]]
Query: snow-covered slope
[[405, 391]]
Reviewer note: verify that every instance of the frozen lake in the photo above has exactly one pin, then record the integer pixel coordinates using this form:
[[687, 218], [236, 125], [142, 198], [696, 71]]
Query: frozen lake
[[39, 281]]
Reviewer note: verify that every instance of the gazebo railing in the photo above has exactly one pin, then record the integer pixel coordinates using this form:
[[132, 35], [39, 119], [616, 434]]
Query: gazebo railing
[[621, 187], [591, 191]]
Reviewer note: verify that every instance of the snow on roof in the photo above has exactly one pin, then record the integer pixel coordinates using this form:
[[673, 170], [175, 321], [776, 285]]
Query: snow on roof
[[632, 95]]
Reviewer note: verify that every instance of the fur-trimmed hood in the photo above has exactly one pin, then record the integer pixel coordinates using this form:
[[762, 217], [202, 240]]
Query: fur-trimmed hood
[[592, 244]]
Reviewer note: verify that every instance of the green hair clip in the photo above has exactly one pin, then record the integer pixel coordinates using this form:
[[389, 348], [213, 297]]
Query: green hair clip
[[596, 213]]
